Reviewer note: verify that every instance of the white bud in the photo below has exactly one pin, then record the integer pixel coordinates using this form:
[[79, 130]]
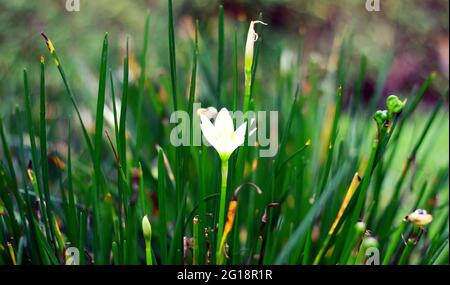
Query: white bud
[[252, 37]]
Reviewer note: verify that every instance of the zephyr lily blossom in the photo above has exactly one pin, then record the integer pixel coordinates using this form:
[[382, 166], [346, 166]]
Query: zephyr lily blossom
[[222, 135], [419, 217], [225, 140]]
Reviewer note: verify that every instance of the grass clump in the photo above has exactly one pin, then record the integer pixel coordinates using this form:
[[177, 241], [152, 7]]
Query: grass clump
[[123, 194]]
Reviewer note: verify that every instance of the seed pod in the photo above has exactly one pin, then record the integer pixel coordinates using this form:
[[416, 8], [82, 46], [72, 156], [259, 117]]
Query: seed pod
[[394, 105], [381, 117], [360, 227], [419, 217]]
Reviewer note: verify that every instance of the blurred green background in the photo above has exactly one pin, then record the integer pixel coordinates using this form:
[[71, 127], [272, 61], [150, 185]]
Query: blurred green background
[[403, 43], [407, 38]]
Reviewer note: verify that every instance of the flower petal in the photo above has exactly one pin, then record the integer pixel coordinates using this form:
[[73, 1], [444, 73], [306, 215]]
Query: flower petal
[[224, 124], [209, 131], [236, 139], [239, 134]]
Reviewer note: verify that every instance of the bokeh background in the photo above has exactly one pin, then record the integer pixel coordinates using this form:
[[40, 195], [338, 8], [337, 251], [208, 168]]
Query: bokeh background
[[406, 40]]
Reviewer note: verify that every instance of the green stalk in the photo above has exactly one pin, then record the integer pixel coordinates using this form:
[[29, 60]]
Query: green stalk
[[100, 250], [434, 258], [115, 250], [147, 234], [82, 238], [72, 212], [123, 114], [141, 88], [100, 112], [13, 224], [173, 80], [162, 207], [34, 152], [48, 216], [406, 252], [31, 133], [291, 246], [307, 253], [393, 243], [70, 94], [119, 172], [235, 72], [222, 213], [122, 146], [356, 234], [148, 254], [220, 55], [172, 57], [176, 243], [192, 86], [12, 172]]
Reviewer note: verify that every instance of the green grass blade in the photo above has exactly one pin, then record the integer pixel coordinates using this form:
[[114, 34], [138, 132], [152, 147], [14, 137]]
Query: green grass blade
[[162, 206], [172, 57], [302, 229], [70, 94], [141, 88], [235, 71], [220, 53]]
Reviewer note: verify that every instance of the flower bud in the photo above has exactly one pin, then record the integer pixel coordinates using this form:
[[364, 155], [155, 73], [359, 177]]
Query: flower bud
[[370, 242], [394, 105], [252, 37], [146, 229], [380, 117], [360, 227]]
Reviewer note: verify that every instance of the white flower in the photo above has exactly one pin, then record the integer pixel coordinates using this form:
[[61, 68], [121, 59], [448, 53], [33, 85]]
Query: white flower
[[222, 135]]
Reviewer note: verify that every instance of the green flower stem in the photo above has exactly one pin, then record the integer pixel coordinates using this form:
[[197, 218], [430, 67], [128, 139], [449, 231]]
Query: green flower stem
[[148, 253], [406, 252], [393, 243], [223, 197]]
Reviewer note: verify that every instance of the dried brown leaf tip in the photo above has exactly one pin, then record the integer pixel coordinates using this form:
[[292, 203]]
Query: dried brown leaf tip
[[49, 43]]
